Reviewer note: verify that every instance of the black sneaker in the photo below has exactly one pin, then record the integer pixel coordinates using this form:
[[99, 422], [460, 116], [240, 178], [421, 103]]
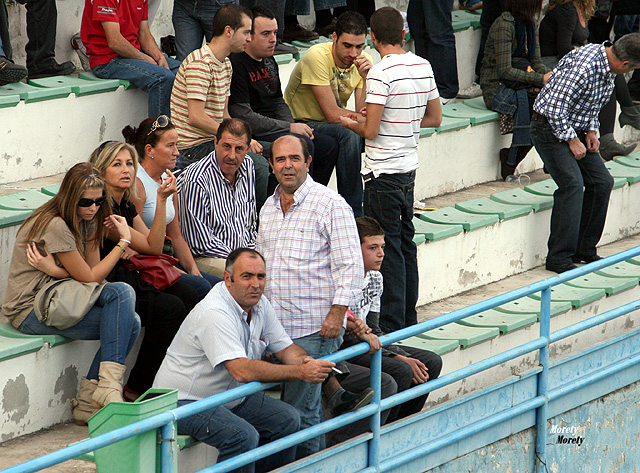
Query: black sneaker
[[352, 401], [559, 268], [578, 258], [56, 69], [10, 72]]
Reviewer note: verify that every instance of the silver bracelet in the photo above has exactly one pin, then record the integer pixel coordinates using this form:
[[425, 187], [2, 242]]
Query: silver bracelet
[[126, 241]]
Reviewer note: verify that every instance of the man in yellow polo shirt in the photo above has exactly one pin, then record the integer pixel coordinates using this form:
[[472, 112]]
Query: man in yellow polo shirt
[[320, 87]]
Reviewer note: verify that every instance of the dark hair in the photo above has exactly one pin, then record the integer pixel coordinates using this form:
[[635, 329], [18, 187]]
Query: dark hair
[[259, 11], [525, 10], [236, 127], [368, 226], [303, 145], [229, 15], [235, 254], [143, 136], [387, 25], [627, 48], [351, 22]]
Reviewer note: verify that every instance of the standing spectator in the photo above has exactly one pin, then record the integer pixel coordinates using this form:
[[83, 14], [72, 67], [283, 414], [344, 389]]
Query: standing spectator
[[120, 46], [9, 72], [401, 97], [563, 130]]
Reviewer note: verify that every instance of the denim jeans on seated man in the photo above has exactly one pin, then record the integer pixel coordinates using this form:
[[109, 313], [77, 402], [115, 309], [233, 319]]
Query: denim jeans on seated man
[[389, 199], [257, 420], [577, 217], [306, 397], [156, 80], [260, 164], [348, 163]]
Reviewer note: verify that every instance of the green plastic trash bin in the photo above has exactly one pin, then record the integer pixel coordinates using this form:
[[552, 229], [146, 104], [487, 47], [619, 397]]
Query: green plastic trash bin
[[139, 454]]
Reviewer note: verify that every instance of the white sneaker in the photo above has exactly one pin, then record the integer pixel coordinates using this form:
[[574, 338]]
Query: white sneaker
[[473, 91], [444, 101]]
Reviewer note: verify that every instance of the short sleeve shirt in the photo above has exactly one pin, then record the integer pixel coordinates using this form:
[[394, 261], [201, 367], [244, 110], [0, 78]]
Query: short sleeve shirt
[[24, 280], [317, 67]]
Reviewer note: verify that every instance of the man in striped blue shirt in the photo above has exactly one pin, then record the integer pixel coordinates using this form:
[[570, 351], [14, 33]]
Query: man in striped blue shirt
[[218, 200], [563, 130]]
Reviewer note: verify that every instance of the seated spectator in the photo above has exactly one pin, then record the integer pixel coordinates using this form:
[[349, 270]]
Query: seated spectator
[[155, 141], [199, 100], [215, 351], [217, 199], [318, 90], [408, 366], [58, 241], [120, 46], [512, 75], [256, 96], [564, 28], [161, 312]]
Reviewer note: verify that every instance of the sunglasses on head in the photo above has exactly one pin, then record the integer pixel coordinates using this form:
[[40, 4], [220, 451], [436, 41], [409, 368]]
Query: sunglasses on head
[[103, 145], [84, 202], [161, 122]]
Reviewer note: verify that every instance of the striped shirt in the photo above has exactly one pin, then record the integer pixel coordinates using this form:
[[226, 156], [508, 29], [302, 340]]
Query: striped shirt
[[403, 83], [313, 256], [215, 216], [201, 77], [579, 86], [215, 331]]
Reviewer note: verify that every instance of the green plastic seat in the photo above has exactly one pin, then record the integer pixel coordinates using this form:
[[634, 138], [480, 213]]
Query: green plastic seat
[[14, 347], [449, 215], [633, 160], [619, 182], [547, 187], [91, 76], [78, 86], [435, 231], [9, 331], [50, 190], [631, 174], [484, 205], [300, 53], [10, 218], [425, 132], [466, 336], [7, 101], [476, 102], [464, 16], [459, 22], [635, 260], [419, 239], [624, 269], [519, 196], [452, 124], [475, 115], [610, 284], [578, 296], [30, 94], [302, 44], [283, 58], [439, 347], [528, 305], [24, 200], [185, 441], [504, 321]]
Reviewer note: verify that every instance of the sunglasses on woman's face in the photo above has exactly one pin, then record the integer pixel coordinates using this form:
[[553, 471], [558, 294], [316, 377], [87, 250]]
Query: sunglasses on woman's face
[[161, 122], [84, 202]]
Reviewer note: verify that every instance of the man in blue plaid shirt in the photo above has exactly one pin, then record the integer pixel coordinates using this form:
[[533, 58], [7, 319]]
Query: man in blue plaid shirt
[[563, 130]]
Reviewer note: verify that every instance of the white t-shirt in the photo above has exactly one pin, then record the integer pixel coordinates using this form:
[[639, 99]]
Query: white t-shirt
[[403, 83]]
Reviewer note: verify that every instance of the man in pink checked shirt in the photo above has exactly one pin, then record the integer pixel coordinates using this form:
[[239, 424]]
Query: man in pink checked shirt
[[310, 242]]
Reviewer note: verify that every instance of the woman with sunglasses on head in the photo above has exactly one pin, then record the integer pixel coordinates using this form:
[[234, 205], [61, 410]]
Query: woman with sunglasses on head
[[161, 312], [155, 141], [62, 239]]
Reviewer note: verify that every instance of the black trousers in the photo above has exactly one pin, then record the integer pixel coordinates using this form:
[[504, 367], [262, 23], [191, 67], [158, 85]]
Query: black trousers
[[42, 17]]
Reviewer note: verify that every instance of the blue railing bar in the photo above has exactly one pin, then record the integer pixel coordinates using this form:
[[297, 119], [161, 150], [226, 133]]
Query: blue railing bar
[[167, 440], [460, 434], [543, 381], [595, 320], [376, 385], [457, 375], [592, 377]]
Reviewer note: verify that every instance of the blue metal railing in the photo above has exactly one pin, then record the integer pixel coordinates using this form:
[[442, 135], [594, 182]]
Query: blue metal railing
[[165, 421]]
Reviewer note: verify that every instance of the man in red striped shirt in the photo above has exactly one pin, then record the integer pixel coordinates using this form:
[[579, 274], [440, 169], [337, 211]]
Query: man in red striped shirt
[[401, 98]]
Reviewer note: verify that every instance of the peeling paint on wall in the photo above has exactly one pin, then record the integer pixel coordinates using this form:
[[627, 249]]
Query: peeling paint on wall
[[67, 384], [15, 398]]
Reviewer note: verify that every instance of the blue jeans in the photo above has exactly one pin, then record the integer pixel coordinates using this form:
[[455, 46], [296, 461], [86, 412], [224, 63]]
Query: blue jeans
[[577, 217], [389, 199], [193, 21], [432, 31], [112, 320], [257, 420], [202, 285], [156, 80], [305, 397], [348, 163]]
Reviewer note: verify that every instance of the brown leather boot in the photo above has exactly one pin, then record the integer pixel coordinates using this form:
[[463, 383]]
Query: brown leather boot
[[110, 384], [82, 407]]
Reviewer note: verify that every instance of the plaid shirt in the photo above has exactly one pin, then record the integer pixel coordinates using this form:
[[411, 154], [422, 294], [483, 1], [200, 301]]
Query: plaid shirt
[[576, 91], [313, 256]]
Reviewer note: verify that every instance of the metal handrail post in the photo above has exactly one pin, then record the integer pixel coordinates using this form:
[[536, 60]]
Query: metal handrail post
[[543, 379], [167, 452], [376, 385]]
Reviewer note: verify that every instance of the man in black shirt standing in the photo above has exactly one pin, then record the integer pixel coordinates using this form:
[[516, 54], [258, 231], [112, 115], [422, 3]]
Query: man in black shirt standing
[[256, 97]]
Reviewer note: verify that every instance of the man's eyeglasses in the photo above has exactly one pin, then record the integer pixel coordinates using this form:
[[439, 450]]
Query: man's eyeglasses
[[161, 122], [84, 202]]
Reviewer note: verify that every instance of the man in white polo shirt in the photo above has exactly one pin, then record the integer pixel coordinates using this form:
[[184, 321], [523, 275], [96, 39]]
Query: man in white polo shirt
[[401, 97]]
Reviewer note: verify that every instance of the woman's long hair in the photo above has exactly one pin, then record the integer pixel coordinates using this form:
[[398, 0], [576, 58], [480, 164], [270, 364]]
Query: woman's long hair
[[103, 156], [526, 10], [64, 204], [586, 7]]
